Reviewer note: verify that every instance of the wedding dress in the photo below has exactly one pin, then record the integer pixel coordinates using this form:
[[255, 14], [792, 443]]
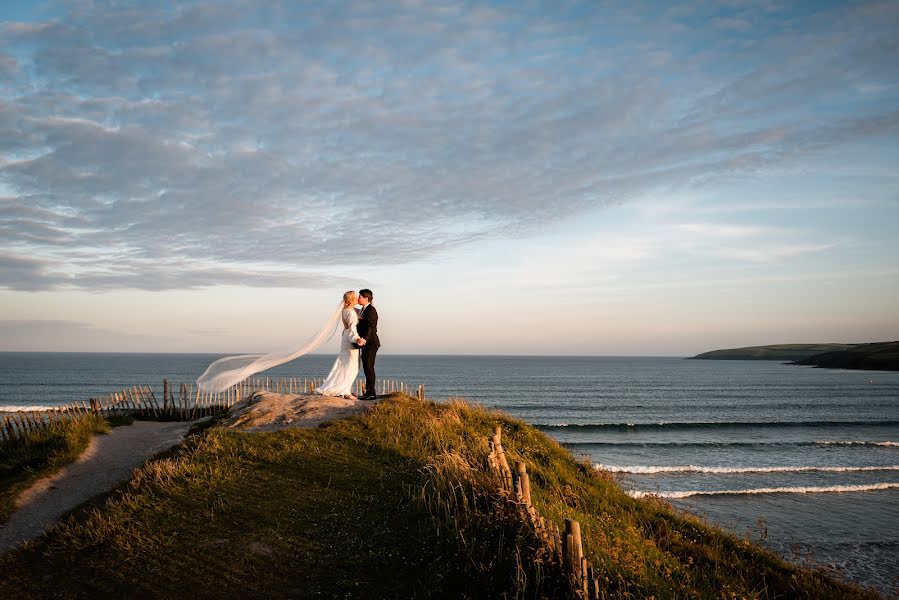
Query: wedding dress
[[346, 367]]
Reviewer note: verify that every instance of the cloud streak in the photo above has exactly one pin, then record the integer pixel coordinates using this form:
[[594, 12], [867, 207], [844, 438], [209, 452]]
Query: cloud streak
[[161, 147]]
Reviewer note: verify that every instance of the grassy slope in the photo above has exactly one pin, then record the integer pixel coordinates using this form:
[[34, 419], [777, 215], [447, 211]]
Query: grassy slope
[[772, 352], [40, 454], [881, 356], [394, 503]]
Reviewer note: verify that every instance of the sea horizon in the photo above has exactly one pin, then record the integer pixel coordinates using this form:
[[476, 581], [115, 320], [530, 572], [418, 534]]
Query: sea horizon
[[380, 353]]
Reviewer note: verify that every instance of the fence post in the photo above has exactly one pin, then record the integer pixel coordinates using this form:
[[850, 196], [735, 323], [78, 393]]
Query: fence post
[[501, 457], [525, 483], [574, 550], [151, 398]]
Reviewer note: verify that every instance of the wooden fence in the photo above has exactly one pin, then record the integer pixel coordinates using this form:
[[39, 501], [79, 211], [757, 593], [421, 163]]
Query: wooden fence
[[186, 405], [565, 546]]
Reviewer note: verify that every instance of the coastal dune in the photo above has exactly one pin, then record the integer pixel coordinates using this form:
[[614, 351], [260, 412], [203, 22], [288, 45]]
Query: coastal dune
[[396, 500]]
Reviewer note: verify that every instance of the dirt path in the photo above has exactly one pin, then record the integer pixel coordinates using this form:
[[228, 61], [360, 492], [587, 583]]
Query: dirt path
[[108, 460]]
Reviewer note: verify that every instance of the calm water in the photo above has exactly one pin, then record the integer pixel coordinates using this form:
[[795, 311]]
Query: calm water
[[807, 459]]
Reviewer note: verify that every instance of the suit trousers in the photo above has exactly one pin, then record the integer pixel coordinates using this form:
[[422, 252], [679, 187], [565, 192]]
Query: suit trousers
[[368, 366]]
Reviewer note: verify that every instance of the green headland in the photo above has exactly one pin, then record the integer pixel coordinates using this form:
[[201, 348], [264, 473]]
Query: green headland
[[782, 352], [394, 503]]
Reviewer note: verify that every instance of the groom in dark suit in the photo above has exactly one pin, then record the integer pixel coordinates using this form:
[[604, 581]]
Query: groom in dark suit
[[368, 330]]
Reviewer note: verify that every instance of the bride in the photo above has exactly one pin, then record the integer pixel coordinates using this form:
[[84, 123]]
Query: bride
[[343, 374], [231, 370]]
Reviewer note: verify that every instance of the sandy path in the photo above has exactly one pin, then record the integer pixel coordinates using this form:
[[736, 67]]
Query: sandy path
[[267, 411], [108, 460]]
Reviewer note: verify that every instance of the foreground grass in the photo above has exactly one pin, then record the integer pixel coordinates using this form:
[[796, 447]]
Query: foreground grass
[[392, 504], [41, 453]]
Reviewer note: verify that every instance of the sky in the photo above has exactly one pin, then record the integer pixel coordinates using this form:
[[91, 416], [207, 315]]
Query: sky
[[528, 177]]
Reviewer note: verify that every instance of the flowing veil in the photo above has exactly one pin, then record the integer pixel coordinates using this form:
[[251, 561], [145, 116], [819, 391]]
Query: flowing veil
[[225, 372]]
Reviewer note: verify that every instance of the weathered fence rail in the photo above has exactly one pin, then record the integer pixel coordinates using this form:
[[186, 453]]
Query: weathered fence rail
[[183, 404], [565, 546]]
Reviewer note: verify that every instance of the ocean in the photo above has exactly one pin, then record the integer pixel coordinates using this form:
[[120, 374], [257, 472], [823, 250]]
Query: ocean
[[802, 460]]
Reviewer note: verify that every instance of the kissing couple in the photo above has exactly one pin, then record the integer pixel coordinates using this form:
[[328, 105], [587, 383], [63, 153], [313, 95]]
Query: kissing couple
[[360, 336]]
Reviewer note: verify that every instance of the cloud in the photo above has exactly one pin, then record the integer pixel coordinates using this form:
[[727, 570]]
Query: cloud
[[222, 142]]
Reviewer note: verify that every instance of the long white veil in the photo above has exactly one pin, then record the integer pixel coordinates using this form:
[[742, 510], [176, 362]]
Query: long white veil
[[225, 372]]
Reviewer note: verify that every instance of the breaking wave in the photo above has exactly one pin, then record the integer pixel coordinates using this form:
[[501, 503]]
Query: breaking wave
[[771, 490], [645, 470], [721, 425], [858, 443]]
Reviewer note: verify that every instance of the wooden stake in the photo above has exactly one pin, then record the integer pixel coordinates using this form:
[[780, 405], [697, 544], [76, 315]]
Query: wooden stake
[[503, 463], [567, 553], [583, 575], [141, 401], [576, 550], [525, 483], [148, 392], [137, 400], [148, 399], [135, 407]]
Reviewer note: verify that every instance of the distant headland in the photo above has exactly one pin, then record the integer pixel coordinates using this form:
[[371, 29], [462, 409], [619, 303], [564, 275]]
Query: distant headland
[[881, 356], [773, 352], [875, 356]]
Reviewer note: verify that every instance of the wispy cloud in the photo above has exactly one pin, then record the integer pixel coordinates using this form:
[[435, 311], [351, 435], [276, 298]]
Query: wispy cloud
[[224, 142]]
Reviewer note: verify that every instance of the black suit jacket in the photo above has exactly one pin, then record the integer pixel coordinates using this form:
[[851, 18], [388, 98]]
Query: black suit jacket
[[368, 326]]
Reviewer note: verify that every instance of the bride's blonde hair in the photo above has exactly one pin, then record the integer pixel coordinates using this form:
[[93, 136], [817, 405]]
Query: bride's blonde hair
[[349, 299]]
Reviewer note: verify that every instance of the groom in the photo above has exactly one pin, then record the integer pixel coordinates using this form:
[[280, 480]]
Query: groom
[[368, 330]]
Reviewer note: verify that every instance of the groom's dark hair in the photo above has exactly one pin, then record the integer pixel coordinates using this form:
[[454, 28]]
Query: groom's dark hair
[[367, 293]]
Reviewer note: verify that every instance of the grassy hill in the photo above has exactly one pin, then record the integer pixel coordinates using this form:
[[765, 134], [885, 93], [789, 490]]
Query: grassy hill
[[772, 352], [394, 503], [882, 356], [42, 453]]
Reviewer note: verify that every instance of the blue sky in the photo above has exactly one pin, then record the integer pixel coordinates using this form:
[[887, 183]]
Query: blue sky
[[511, 177]]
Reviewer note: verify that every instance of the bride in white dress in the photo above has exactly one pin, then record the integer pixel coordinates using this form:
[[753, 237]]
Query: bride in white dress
[[343, 374]]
